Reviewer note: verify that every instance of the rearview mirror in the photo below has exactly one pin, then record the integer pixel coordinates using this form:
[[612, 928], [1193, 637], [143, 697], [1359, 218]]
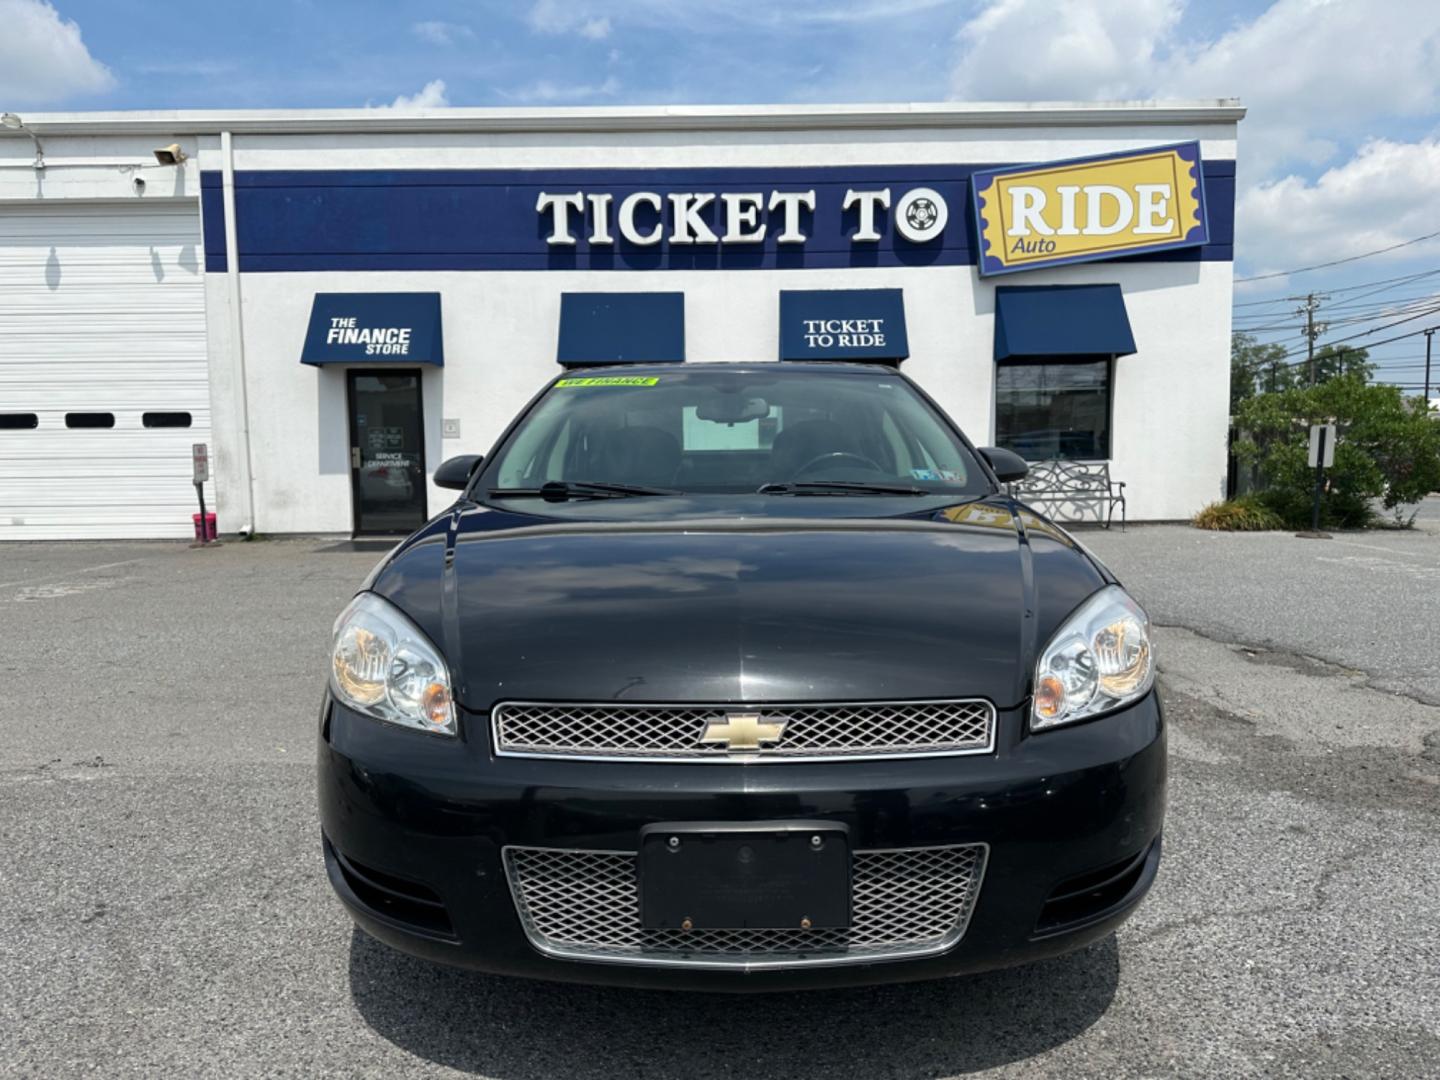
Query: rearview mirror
[[455, 472], [732, 409], [1008, 465]]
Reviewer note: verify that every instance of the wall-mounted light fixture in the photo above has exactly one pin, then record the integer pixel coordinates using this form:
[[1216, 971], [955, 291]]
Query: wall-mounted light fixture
[[14, 123], [171, 155]]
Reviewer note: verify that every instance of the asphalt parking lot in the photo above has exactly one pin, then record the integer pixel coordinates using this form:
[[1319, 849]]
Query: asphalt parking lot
[[164, 910]]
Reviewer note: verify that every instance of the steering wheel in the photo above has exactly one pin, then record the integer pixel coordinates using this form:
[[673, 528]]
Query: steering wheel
[[834, 457]]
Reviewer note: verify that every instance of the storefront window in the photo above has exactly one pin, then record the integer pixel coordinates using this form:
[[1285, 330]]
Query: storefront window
[[1057, 409]]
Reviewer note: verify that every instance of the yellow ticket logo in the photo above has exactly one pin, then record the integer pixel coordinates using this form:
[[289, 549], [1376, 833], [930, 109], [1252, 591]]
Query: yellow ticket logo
[[1030, 216], [611, 380]]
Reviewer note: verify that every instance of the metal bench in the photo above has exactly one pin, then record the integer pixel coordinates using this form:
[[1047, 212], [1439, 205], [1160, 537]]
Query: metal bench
[[1076, 486]]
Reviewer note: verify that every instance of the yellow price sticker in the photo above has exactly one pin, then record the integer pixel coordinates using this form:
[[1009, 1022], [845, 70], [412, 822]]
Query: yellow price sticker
[[611, 380]]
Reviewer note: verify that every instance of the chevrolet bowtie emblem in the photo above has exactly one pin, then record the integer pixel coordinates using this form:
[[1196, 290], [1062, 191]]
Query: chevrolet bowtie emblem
[[741, 731]]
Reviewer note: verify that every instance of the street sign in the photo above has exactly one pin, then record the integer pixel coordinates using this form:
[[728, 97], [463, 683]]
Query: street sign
[[1322, 445], [200, 459]]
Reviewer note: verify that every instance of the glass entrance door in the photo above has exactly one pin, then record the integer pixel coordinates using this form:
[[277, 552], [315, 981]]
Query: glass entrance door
[[387, 451]]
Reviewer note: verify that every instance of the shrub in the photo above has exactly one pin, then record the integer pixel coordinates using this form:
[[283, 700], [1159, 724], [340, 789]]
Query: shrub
[[1385, 450], [1245, 514]]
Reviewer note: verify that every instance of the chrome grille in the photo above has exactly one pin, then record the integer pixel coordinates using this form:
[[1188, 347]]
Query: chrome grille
[[585, 905], [856, 730]]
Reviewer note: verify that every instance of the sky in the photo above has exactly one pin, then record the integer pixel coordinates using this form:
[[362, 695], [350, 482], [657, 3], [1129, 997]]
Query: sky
[[1339, 155]]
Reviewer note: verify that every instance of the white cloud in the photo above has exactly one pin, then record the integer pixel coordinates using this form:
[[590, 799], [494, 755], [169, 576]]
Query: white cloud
[[546, 92], [441, 33], [595, 29], [200, 69], [1031, 50], [431, 96], [568, 17], [556, 16], [1318, 77], [1389, 192], [42, 59], [1311, 71], [563, 16]]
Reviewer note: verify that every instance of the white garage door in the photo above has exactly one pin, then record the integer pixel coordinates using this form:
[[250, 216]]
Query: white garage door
[[103, 378]]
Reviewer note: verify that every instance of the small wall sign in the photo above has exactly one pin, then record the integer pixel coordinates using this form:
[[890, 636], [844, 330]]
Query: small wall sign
[[843, 324]]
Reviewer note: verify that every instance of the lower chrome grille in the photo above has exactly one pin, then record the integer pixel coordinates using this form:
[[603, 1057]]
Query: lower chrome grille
[[585, 905], [871, 729]]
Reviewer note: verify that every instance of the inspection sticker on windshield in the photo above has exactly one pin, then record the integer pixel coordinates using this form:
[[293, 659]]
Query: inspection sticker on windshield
[[612, 380]]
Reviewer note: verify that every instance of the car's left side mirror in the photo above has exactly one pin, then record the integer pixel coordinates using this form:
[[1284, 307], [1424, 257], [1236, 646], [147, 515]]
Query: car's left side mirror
[[1008, 465], [455, 472]]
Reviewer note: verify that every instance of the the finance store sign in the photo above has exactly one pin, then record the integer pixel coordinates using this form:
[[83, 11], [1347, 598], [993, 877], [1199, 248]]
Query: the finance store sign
[[1029, 216]]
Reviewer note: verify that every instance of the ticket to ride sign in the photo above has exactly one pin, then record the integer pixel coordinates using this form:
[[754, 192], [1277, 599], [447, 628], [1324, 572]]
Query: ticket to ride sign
[[1029, 216]]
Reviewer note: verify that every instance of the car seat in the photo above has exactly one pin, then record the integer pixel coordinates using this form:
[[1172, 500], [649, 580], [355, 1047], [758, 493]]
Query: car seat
[[799, 444], [647, 456]]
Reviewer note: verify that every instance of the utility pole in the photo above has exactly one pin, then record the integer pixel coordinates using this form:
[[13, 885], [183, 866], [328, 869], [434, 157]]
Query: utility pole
[[1312, 328], [1429, 333]]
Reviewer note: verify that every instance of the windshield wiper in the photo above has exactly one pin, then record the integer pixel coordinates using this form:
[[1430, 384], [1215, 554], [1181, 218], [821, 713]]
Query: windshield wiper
[[560, 490], [838, 487]]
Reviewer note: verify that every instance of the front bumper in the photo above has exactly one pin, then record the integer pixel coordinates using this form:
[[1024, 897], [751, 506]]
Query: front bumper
[[1070, 821]]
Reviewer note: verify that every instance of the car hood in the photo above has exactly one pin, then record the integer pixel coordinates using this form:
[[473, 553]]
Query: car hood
[[732, 611]]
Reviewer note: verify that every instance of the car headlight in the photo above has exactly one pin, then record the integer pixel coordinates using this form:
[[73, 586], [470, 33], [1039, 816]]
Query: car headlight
[[1099, 659], [383, 666]]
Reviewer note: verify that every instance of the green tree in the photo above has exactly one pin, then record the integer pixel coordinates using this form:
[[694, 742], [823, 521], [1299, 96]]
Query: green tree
[[1256, 369], [1386, 449], [1334, 361]]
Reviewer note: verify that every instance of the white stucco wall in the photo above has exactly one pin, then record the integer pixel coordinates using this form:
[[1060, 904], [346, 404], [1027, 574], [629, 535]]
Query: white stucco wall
[[1170, 398], [1169, 409]]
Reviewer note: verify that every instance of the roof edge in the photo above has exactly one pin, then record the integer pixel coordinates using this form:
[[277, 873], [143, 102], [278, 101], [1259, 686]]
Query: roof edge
[[635, 118]]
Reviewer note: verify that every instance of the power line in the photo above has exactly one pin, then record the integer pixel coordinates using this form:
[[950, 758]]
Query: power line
[[1379, 311], [1384, 285], [1357, 304], [1394, 284], [1368, 346], [1373, 330], [1339, 262], [1386, 326]]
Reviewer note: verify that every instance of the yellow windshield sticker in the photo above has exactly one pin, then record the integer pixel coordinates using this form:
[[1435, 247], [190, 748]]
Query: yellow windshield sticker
[[612, 380]]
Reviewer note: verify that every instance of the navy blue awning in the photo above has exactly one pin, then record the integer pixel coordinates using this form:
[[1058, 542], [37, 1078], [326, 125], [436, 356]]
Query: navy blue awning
[[843, 324], [621, 328], [374, 328], [1061, 320]]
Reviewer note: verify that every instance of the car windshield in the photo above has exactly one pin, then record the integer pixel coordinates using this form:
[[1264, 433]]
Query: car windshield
[[719, 430]]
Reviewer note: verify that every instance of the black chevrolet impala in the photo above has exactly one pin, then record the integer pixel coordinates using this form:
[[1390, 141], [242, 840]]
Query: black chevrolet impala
[[740, 676]]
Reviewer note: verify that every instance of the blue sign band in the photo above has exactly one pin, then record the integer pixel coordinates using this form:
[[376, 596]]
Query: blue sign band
[[472, 219]]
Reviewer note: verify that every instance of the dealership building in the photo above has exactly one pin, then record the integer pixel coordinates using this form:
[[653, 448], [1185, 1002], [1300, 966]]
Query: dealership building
[[334, 302]]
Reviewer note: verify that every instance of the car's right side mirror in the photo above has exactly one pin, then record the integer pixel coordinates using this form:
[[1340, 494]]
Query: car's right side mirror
[[1008, 465], [455, 472]]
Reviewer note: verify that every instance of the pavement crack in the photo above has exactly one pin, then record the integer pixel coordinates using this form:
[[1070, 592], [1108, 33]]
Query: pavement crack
[[1175, 926], [1330, 869], [1267, 652]]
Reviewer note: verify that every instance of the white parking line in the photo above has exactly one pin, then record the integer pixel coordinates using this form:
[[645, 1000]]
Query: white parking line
[[1387, 550], [82, 570]]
